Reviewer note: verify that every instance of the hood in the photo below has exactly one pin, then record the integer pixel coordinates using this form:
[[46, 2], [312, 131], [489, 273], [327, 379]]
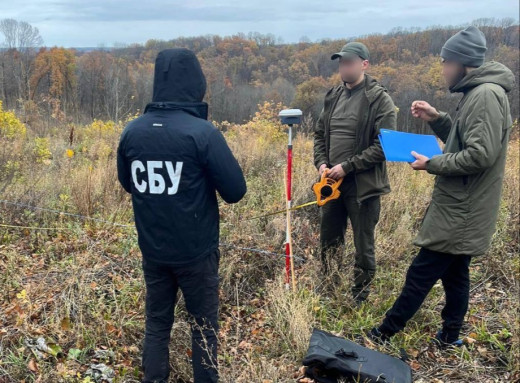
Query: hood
[[178, 83], [373, 88], [491, 72], [178, 77]]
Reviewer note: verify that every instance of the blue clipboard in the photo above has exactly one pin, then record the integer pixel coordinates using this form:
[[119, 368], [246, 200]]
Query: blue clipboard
[[398, 146]]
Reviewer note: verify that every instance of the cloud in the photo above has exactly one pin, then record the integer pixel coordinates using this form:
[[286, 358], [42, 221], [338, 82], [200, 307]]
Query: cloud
[[82, 23]]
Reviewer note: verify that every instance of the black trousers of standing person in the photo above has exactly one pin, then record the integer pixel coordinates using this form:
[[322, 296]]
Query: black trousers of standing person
[[364, 217], [426, 269], [199, 285]]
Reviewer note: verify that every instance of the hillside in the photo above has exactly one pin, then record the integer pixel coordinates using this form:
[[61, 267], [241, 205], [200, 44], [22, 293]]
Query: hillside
[[74, 278]]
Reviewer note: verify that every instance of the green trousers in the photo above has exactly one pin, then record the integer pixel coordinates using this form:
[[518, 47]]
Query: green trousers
[[363, 217]]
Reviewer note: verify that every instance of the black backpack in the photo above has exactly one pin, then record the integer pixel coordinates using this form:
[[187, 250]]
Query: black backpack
[[330, 358]]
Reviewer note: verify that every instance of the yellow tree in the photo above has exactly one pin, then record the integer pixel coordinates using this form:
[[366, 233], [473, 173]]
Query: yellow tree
[[54, 75]]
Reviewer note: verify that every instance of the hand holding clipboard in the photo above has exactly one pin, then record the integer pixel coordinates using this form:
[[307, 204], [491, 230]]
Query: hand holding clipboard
[[398, 146]]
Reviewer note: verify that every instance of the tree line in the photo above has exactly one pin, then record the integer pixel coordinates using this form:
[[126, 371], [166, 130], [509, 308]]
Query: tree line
[[49, 86]]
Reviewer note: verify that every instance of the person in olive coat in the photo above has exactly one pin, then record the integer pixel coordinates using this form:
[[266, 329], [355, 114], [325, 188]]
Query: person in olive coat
[[460, 220]]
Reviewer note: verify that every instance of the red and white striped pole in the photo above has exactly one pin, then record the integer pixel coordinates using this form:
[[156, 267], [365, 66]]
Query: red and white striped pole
[[288, 238], [289, 117]]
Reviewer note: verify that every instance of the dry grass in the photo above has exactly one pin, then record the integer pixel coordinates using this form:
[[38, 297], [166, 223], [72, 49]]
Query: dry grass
[[82, 287]]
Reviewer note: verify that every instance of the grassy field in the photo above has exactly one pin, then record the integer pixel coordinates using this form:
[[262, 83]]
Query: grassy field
[[73, 290]]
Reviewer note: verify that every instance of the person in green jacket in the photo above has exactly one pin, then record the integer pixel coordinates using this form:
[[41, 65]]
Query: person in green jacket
[[460, 220], [346, 145]]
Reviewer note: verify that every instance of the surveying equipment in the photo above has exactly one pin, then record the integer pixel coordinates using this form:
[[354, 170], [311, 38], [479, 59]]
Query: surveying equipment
[[326, 189], [289, 117]]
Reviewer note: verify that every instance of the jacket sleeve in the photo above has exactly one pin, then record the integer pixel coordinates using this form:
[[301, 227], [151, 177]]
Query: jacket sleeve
[[442, 126], [123, 170], [223, 169], [386, 118], [481, 139], [320, 153]]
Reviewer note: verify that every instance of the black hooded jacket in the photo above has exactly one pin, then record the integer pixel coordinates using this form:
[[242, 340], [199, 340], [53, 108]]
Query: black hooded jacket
[[172, 161]]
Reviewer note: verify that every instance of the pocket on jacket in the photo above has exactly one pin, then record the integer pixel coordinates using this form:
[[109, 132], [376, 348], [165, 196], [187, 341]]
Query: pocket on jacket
[[350, 116], [444, 226], [451, 190]]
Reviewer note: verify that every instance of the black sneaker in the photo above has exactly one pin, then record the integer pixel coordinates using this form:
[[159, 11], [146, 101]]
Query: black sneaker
[[376, 336], [441, 341], [358, 301]]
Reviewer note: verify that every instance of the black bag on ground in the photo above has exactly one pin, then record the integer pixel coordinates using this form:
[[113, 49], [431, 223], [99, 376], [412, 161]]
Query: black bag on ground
[[330, 358]]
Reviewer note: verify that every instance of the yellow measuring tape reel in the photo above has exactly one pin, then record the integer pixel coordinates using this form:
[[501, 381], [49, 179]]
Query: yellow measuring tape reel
[[326, 189]]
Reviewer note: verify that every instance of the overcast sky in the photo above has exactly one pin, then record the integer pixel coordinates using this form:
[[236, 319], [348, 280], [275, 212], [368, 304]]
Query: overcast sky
[[91, 23]]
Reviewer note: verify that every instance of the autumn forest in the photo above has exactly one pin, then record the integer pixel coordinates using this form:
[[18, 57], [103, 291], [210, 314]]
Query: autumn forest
[[53, 84]]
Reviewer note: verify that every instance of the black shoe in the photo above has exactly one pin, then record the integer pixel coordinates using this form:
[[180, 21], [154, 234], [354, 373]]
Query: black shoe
[[442, 341], [376, 336], [358, 300]]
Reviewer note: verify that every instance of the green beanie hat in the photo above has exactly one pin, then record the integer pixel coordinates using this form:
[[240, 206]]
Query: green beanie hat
[[467, 47]]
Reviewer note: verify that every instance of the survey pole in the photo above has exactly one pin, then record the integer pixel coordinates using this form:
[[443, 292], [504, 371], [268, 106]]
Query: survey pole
[[289, 117]]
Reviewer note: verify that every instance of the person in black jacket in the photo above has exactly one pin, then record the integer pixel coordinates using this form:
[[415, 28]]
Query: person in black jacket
[[172, 161]]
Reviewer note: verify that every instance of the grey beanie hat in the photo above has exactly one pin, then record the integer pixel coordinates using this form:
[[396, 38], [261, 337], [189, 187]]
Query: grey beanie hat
[[467, 47]]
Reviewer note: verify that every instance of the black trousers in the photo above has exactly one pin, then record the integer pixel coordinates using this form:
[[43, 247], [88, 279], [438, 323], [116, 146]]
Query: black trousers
[[426, 269], [199, 285], [364, 217]]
